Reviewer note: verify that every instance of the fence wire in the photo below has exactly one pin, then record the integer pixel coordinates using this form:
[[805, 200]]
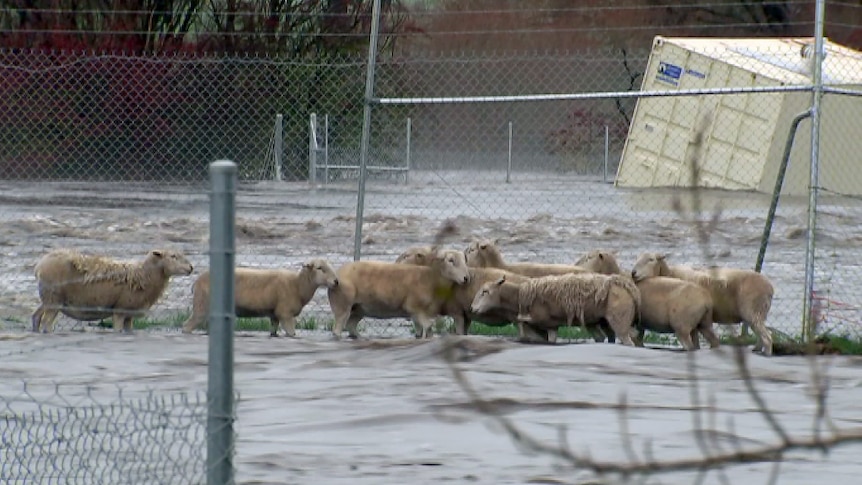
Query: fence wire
[[108, 154], [61, 434]]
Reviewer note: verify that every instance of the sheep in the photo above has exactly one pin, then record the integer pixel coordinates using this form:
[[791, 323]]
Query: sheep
[[486, 254], [738, 295], [458, 307], [420, 255], [379, 289], [88, 287], [599, 261], [673, 305], [279, 294], [552, 301]]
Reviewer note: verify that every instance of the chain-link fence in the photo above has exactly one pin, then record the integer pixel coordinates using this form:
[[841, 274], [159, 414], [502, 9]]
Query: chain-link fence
[[107, 153], [76, 434]]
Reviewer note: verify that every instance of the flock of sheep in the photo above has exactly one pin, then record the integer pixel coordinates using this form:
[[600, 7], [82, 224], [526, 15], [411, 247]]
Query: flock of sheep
[[475, 284]]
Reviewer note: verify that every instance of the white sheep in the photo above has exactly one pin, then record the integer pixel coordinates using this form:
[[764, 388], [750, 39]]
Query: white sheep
[[278, 294], [88, 287], [738, 295], [486, 254], [458, 307], [420, 255], [379, 289], [678, 306], [552, 301], [599, 261]]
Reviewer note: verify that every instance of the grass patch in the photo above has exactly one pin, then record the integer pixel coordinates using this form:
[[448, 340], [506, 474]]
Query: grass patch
[[784, 344]]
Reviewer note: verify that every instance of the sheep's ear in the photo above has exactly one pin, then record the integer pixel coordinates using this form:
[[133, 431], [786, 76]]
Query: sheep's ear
[[501, 280], [420, 257], [157, 253], [661, 257], [307, 265]]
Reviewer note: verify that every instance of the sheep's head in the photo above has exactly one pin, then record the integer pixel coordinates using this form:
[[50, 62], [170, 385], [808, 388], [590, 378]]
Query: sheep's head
[[173, 263], [488, 296], [419, 255], [599, 261], [452, 265], [321, 273], [483, 254], [649, 265]]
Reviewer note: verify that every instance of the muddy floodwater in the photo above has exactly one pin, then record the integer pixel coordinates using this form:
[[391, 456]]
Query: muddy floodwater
[[314, 411], [536, 217]]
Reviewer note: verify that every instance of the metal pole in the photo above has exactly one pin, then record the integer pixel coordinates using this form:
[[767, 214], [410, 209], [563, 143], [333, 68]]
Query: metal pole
[[776, 192], [814, 175], [278, 146], [312, 149], [326, 149], [409, 132], [607, 150], [509, 165], [222, 319], [366, 127]]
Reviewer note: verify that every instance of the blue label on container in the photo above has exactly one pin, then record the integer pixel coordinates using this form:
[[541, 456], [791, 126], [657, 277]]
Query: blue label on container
[[669, 70], [669, 73]]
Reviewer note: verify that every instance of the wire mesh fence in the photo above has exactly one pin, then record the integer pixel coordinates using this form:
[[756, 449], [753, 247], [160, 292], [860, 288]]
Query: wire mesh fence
[[75, 434], [108, 153]]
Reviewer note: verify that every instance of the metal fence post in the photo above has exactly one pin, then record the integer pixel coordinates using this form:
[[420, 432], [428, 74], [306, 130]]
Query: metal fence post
[[222, 319], [312, 149], [278, 146], [814, 174], [407, 155], [509, 164], [366, 128], [606, 155]]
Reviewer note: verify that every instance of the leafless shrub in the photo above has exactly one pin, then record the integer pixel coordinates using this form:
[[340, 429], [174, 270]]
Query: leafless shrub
[[714, 453]]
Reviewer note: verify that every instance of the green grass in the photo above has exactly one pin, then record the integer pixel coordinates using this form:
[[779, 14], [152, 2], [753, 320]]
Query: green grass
[[843, 344]]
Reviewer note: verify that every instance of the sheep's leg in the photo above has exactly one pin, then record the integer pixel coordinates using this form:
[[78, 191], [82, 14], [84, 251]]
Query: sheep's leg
[[127, 324], [552, 335], [426, 323], [49, 319], [288, 324], [462, 322], [764, 336], [118, 321], [44, 318], [352, 324], [608, 331], [638, 339], [193, 322], [274, 324], [622, 331], [341, 319], [522, 332], [596, 332], [695, 338], [709, 334], [684, 338]]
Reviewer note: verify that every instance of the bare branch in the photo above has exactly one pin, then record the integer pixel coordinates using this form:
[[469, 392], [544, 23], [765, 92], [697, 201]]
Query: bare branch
[[650, 465]]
